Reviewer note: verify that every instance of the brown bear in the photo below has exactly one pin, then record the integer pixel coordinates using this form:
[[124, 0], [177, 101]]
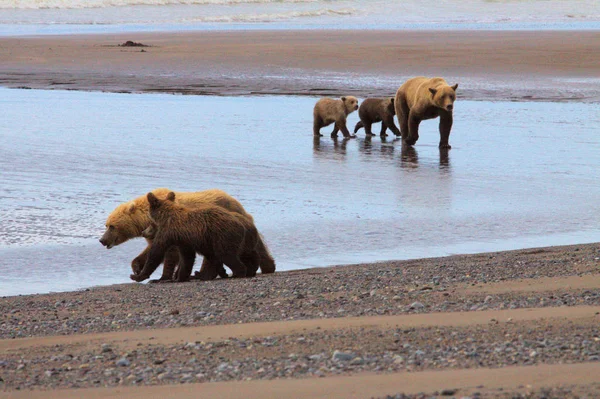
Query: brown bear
[[212, 231], [423, 98], [150, 233], [329, 110], [374, 110], [129, 219]]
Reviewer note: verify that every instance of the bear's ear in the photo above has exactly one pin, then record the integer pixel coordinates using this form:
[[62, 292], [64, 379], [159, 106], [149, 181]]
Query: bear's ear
[[171, 196], [344, 99], [432, 91], [454, 87], [152, 200], [131, 208]]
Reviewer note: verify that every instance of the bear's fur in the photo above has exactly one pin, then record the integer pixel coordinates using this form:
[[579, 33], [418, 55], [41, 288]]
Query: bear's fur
[[150, 233], [129, 219], [212, 231], [424, 98], [329, 110], [373, 110]]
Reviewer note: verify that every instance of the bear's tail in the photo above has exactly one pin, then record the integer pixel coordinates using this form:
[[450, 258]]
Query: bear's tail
[[267, 263], [358, 126]]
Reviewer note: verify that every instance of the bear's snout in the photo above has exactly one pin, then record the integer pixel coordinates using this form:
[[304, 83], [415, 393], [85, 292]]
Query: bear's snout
[[103, 241], [449, 107]]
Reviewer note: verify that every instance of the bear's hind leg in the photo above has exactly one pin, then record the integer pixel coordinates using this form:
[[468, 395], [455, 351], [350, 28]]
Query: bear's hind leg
[[317, 125], [359, 125], [236, 265], [252, 261], [402, 111], [413, 129]]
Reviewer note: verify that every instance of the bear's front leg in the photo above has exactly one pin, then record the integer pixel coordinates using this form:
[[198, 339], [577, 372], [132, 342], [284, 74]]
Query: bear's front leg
[[389, 123], [187, 257], [445, 127], [155, 258], [139, 261], [341, 125]]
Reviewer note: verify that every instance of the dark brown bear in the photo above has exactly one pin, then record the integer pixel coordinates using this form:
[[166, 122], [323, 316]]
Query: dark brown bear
[[373, 110], [217, 234], [150, 233]]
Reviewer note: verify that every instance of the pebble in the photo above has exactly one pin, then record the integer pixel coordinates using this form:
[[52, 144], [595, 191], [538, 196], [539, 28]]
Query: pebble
[[416, 305], [342, 356], [122, 362]]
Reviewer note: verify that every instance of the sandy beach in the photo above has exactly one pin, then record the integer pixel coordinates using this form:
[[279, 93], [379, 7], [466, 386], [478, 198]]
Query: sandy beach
[[513, 324], [525, 65], [524, 322]]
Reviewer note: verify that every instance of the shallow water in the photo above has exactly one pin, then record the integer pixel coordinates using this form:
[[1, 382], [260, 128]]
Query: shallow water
[[518, 175], [81, 16]]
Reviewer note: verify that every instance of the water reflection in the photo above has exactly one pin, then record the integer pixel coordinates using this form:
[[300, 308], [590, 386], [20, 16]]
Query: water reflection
[[409, 157], [330, 148]]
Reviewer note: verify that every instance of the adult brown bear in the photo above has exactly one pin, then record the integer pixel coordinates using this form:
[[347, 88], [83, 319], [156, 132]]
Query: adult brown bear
[[424, 98]]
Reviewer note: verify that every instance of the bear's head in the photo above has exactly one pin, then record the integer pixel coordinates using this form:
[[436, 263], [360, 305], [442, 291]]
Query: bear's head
[[350, 104], [444, 96], [389, 105], [160, 209], [123, 224]]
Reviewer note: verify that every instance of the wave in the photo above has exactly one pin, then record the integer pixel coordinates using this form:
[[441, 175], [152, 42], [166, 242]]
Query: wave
[[78, 4], [271, 17]]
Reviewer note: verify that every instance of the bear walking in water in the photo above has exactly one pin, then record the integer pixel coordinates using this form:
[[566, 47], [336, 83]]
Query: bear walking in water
[[329, 110], [214, 232], [130, 219], [424, 98], [373, 110]]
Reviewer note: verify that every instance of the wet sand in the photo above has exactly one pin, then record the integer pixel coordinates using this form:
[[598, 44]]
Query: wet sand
[[488, 64], [462, 323]]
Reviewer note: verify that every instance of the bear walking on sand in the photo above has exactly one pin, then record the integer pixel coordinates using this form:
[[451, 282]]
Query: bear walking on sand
[[130, 219], [373, 110], [424, 98], [329, 110], [212, 231]]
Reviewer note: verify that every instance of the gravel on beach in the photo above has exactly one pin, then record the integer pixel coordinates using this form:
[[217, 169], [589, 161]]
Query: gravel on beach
[[387, 288]]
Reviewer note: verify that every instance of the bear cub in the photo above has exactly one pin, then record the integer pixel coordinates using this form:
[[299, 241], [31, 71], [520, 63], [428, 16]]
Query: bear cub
[[150, 234], [329, 110], [373, 110], [217, 234]]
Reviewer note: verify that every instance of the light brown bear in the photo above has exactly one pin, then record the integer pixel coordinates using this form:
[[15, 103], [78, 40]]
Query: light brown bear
[[212, 231], [423, 98], [373, 110], [329, 110], [129, 219]]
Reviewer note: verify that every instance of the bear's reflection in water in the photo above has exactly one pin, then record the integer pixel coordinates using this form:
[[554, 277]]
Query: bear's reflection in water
[[381, 152]]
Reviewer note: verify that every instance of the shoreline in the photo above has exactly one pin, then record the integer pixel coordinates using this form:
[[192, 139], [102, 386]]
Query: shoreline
[[493, 65], [476, 316]]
